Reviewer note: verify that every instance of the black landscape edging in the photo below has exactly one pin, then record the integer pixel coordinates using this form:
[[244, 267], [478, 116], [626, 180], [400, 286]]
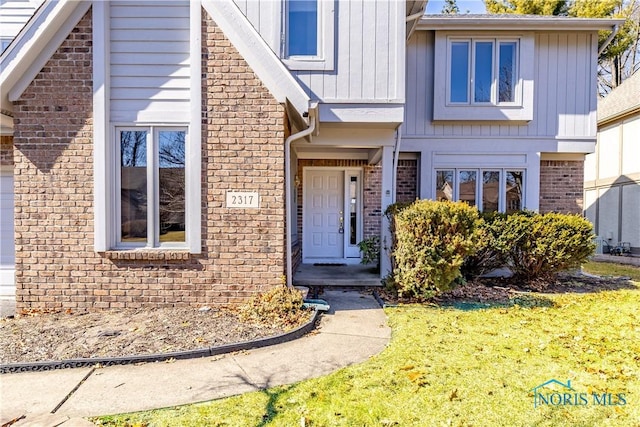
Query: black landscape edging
[[161, 357], [381, 301]]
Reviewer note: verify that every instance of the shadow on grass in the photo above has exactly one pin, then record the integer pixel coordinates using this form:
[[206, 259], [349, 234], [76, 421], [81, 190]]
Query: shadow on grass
[[524, 301], [271, 409]]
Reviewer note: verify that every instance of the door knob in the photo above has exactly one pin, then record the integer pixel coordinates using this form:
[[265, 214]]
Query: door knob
[[341, 229]]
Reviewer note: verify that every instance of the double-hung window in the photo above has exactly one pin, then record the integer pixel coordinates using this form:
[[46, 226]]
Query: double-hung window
[[308, 39], [151, 201], [491, 190], [482, 71]]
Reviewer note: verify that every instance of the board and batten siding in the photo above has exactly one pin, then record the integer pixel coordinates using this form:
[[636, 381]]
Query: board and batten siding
[[149, 61], [369, 49], [564, 90]]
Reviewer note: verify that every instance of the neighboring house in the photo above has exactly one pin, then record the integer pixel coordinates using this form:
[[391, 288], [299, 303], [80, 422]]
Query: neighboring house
[[194, 152], [612, 173]]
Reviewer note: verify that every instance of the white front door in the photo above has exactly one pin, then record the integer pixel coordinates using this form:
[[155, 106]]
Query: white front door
[[332, 222], [7, 247]]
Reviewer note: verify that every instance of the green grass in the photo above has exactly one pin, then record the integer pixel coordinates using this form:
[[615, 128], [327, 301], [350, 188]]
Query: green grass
[[450, 367], [611, 269]]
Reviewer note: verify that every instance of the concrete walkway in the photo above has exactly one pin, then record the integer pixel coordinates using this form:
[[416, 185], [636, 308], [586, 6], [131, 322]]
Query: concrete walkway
[[354, 330]]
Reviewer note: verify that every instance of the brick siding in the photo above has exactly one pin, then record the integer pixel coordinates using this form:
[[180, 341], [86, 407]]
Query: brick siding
[[243, 251], [561, 186], [6, 150], [407, 181]]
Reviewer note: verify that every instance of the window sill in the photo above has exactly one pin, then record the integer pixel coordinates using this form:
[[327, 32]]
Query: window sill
[[148, 255], [301, 63]]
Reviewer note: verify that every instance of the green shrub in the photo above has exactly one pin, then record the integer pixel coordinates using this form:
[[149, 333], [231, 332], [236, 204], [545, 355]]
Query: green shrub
[[489, 253], [280, 306], [431, 241], [539, 246]]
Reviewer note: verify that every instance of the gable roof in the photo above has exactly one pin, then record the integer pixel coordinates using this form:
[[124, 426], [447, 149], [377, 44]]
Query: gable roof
[[54, 20], [621, 101]]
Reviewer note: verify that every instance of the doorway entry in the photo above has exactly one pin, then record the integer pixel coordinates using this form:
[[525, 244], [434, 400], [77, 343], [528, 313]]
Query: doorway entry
[[332, 215]]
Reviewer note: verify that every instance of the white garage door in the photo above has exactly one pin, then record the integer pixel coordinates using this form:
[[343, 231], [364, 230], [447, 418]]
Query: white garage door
[[7, 246]]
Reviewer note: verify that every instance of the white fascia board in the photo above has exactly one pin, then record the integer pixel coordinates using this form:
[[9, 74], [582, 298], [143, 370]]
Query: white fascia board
[[264, 62], [517, 22], [392, 114], [35, 44], [6, 125]]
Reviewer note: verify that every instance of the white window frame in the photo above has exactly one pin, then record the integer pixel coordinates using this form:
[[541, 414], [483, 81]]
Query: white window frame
[[153, 212], [521, 109], [502, 198], [324, 60], [495, 72]]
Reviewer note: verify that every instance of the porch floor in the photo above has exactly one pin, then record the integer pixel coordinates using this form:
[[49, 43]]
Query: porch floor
[[336, 275]]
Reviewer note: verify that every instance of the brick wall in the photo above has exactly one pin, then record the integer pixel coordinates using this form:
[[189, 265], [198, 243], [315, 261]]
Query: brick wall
[[561, 186], [407, 181], [6, 150], [243, 251]]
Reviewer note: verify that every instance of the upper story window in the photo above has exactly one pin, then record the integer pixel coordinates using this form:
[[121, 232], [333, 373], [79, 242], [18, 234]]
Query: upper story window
[[302, 28], [482, 71], [151, 187], [308, 39], [4, 43], [483, 77]]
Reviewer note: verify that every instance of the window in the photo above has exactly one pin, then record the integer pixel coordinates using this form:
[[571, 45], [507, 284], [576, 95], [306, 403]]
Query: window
[[491, 190], [4, 43], [302, 30], [152, 187], [308, 39], [482, 71], [482, 77]]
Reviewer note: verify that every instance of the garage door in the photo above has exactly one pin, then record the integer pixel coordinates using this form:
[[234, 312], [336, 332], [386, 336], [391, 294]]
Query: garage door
[[7, 246]]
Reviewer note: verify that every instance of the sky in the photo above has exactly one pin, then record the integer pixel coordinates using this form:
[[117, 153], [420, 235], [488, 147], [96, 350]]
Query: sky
[[473, 6]]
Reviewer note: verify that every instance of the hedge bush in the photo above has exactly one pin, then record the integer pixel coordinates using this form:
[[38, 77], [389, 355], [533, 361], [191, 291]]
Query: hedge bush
[[490, 252], [431, 241], [539, 246]]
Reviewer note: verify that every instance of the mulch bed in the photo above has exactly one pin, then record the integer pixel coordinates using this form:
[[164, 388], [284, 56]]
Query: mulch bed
[[40, 335]]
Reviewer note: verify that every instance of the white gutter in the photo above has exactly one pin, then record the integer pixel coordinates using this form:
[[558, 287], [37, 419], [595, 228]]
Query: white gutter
[[614, 32], [313, 119]]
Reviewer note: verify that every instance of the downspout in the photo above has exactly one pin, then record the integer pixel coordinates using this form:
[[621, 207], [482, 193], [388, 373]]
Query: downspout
[[396, 155], [614, 32], [313, 118]]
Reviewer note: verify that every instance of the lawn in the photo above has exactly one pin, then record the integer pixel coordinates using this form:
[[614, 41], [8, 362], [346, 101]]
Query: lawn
[[447, 366]]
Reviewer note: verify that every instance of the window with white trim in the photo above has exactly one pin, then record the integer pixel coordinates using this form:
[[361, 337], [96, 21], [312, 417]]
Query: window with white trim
[[151, 187], [483, 76], [482, 71], [491, 190], [308, 34]]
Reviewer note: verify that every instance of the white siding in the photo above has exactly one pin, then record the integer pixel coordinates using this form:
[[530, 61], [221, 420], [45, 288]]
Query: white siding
[[564, 91], [14, 14], [609, 153], [631, 147], [630, 227], [149, 61], [369, 49], [7, 246]]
